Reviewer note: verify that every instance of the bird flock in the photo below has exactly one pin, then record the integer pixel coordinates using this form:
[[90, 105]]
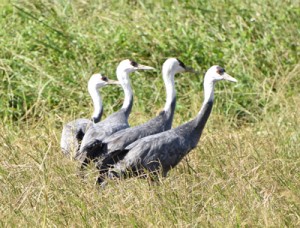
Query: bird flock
[[121, 151]]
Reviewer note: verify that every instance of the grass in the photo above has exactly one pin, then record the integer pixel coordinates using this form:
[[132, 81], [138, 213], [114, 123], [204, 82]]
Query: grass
[[245, 171]]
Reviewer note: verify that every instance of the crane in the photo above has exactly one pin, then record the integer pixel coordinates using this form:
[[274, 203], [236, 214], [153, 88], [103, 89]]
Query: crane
[[163, 151], [117, 121], [113, 146], [74, 131]]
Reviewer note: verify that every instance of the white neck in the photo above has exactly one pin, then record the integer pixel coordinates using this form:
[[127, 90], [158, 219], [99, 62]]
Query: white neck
[[168, 76], [97, 101], [209, 86], [123, 78]]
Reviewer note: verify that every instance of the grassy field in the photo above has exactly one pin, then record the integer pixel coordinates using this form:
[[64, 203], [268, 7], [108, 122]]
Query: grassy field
[[246, 168]]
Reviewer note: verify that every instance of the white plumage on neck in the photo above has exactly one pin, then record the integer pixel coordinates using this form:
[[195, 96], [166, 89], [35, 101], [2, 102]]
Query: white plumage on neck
[[123, 78], [97, 101], [213, 75], [209, 87], [168, 76]]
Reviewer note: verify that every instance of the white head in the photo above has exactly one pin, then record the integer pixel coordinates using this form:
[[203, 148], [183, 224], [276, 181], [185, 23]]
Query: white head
[[171, 67], [98, 80], [214, 74], [130, 66], [174, 65], [124, 68], [217, 73]]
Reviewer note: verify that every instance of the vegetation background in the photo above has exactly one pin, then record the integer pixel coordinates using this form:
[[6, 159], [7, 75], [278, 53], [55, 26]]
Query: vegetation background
[[246, 168]]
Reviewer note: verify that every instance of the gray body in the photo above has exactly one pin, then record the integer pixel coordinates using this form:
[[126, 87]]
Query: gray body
[[163, 151], [72, 135], [92, 140], [113, 147]]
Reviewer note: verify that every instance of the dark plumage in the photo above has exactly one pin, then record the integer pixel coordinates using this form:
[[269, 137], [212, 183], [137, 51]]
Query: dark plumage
[[93, 138], [74, 131], [163, 151], [113, 147]]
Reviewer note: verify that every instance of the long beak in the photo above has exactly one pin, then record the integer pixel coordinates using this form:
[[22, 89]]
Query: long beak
[[228, 77], [143, 67], [189, 69], [113, 82]]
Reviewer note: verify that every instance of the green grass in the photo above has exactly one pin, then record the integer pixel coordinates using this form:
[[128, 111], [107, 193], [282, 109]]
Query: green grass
[[245, 171]]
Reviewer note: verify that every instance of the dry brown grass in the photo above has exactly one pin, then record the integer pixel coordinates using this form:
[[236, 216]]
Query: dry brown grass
[[248, 176]]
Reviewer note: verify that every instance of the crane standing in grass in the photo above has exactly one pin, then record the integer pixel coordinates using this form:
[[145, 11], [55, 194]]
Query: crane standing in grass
[[74, 131], [117, 121], [113, 147], [163, 151]]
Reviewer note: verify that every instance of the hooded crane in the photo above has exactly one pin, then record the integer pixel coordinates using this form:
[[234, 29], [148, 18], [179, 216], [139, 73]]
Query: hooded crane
[[74, 131], [117, 121], [163, 151], [113, 146]]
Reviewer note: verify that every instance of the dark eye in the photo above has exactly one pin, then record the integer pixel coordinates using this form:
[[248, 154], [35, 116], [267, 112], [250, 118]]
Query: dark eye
[[104, 78], [181, 63], [220, 70], [133, 63]]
